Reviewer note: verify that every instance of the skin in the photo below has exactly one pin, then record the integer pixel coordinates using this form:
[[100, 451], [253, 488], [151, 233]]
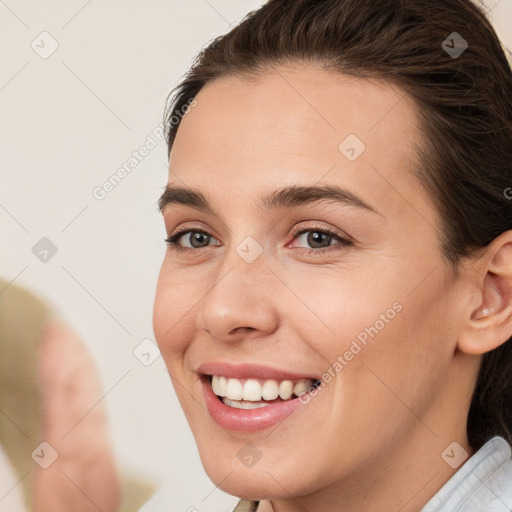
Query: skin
[[372, 438]]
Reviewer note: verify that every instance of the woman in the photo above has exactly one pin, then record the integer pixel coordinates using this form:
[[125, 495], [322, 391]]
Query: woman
[[335, 305]]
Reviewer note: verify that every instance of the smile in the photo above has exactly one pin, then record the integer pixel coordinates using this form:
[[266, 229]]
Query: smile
[[252, 393], [252, 404]]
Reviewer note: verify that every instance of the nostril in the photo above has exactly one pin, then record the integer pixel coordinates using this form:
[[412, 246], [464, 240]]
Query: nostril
[[237, 330]]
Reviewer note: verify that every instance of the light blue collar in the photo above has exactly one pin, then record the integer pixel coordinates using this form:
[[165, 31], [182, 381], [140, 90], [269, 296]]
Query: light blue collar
[[482, 484]]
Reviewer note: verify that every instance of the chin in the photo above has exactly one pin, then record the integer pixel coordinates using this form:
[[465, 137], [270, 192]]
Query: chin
[[264, 480]]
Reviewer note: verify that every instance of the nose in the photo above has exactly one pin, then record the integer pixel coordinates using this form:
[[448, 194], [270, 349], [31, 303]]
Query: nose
[[239, 304]]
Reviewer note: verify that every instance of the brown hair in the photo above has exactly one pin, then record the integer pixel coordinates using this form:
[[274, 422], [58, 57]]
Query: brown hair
[[465, 110]]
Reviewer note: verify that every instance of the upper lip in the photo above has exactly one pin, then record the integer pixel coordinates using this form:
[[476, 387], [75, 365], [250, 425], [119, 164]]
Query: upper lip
[[246, 370]]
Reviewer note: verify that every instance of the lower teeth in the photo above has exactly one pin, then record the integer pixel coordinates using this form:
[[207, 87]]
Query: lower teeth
[[243, 404]]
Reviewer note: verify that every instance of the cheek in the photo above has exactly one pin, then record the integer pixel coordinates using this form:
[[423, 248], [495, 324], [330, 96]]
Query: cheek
[[174, 303], [340, 307], [359, 324], [403, 361]]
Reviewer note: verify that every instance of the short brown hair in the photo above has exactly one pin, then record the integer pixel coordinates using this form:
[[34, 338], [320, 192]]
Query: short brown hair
[[465, 110]]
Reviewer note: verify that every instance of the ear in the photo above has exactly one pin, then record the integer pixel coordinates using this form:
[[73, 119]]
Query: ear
[[489, 325]]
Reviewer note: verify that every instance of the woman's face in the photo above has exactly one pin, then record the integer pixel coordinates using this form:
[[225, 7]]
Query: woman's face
[[266, 284]]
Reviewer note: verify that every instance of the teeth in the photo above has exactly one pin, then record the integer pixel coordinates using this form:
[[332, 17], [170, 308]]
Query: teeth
[[215, 385], [301, 387], [223, 386], [254, 390], [269, 390], [234, 389], [286, 389], [237, 404]]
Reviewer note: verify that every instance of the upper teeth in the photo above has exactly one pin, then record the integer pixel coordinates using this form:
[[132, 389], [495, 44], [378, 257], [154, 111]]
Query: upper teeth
[[256, 390]]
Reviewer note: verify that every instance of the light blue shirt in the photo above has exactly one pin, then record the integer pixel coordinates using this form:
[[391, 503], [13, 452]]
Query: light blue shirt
[[482, 484]]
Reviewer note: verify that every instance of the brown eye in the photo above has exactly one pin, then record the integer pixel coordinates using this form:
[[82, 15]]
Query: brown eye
[[320, 240], [196, 238]]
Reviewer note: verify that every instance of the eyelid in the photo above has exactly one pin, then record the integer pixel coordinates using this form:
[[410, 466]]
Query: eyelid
[[334, 232], [178, 233], [344, 241]]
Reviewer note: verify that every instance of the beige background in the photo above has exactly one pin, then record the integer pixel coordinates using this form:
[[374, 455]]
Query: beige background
[[68, 121]]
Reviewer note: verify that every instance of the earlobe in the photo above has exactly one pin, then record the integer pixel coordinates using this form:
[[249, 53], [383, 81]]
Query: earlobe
[[489, 325]]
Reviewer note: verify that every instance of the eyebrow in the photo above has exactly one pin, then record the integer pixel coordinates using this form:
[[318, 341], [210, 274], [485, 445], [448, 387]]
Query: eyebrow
[[282, 198]]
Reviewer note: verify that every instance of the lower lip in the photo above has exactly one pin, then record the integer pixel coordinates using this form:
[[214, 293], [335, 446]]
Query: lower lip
[[246, 420]]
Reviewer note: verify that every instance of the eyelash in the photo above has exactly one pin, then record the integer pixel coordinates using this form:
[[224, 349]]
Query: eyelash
[[172, 241]]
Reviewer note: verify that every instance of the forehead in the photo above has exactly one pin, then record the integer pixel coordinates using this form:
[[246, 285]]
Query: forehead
[[297, 105], [300, 125]]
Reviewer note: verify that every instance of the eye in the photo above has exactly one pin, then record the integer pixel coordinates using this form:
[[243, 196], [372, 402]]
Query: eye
[[199, 239], [320, 239]]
